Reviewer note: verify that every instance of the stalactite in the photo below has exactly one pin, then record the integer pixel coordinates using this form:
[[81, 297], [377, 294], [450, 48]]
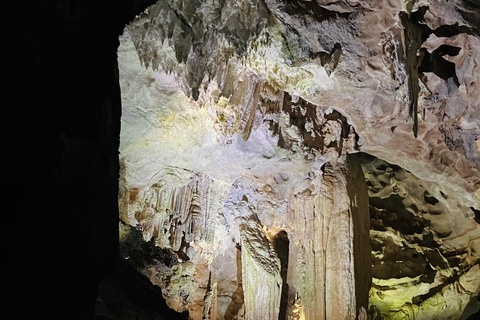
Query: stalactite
[[252, 135]]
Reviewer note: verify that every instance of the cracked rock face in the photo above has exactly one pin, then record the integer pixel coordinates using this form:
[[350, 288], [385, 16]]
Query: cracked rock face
[[293, 156], [424, 246]]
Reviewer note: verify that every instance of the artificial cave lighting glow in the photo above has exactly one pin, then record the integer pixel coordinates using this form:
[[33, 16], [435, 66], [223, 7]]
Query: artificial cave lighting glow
[[249, 120]]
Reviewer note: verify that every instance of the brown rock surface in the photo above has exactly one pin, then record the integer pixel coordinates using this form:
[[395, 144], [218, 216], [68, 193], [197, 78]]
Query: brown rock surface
[[241, 130]]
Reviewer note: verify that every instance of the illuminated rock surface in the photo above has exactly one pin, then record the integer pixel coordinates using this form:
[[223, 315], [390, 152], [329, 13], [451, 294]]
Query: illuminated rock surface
[[251, 145]]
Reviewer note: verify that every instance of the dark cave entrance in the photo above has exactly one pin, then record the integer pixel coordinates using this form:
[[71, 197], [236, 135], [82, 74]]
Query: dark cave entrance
[[281, 245]]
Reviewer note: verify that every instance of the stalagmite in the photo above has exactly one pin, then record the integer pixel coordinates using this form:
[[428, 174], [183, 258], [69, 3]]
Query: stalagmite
[[251, 151]]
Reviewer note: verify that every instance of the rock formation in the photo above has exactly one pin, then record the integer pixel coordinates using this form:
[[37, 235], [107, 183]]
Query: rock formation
[[423, 247], [303, 159]]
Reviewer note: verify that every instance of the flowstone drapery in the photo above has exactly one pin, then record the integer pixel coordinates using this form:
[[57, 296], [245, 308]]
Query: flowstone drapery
[[246, 122]]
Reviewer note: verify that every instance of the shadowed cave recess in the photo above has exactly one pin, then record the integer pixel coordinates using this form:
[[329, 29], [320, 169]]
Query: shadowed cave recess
[[246, 159], [303, 159]]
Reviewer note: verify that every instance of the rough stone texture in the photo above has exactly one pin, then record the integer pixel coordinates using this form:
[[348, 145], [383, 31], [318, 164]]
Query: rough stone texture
[[424, 246], [201, 219], [240, 125], [261, 280]]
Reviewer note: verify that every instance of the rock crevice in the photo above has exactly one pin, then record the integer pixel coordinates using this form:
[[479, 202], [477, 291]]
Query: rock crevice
[[251, 146]]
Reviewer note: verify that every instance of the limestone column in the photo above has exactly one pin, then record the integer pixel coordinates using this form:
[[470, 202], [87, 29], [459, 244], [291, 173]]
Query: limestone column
[[261, 279]]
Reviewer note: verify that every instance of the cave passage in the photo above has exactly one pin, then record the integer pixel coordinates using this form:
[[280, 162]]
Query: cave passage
[[243, 127], [281, 245]]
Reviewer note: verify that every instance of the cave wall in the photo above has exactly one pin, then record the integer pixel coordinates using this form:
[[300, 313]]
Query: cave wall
[[423, 264], [61, 125], [240, 122], [59, 86]]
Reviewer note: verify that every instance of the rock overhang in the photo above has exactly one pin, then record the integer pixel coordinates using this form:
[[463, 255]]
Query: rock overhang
[[257, 107]]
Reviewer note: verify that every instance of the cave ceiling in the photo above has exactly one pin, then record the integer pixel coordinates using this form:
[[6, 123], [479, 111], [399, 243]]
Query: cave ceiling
[[304, 159]]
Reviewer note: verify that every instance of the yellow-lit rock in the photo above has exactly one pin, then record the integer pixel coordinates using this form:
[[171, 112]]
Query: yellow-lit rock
[[241, 130]]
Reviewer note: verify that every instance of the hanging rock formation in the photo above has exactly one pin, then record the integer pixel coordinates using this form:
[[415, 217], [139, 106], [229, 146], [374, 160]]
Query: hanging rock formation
[[423, 247], [251, 145]]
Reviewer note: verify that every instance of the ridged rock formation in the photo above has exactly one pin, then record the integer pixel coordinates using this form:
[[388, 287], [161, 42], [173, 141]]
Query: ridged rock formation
[[251, 145], [425, 262]]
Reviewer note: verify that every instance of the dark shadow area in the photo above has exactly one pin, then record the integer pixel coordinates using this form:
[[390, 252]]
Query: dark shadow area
[[469, 11], [315, 138], [305, 9], [391, 212], [357, 192], [281, 245], [127, 292], [141, 253], [435, 62], [330, 60], [473, 304], [433, 291], [477, 214], [416, 32], [237, 297], [61, 97]]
